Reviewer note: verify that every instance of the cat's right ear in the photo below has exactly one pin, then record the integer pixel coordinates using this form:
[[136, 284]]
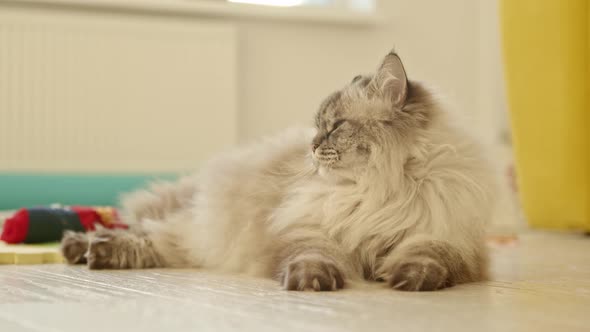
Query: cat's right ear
[[391, 81]]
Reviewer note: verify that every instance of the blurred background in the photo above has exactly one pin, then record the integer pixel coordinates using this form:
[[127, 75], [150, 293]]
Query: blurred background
[[98, 96]]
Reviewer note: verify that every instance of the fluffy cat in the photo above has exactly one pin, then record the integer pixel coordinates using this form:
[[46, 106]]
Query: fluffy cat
[[385, 188]]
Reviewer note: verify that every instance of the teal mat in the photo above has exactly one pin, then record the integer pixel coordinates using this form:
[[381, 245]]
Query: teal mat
[[27, 190]]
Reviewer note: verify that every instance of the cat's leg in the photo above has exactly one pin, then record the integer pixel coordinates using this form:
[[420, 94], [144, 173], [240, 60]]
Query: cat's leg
[[159, 200], [111, 249], [425, 263], [147, 245], [309, 261]]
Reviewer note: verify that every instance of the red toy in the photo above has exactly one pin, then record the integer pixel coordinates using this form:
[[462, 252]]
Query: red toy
[[47, 224]]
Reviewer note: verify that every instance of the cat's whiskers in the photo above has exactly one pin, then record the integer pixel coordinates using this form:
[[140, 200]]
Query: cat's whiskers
[[327, 156]]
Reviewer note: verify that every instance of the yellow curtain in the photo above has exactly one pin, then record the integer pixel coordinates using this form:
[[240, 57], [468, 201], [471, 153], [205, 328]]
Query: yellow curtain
[[546, 53]]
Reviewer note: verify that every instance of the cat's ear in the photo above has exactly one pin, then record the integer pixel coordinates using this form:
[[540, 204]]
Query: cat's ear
[[357, 78], [391, 81]]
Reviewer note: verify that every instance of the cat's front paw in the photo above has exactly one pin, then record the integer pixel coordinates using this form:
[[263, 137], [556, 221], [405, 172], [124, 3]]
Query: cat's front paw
[[313, 273], [419, 274], [74, 246], [101, 251]]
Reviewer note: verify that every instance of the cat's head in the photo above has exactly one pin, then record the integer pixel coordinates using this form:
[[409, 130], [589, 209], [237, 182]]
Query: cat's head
[[371, 116]]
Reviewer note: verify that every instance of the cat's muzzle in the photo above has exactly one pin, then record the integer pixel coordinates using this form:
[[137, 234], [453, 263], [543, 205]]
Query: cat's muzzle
[[326, 156]]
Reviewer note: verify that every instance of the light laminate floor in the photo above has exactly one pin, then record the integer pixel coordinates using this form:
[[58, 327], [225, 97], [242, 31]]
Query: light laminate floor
[[540, 284]]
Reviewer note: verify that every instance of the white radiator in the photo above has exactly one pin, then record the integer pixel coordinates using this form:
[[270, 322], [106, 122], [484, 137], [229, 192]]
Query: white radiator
[[103, 91]]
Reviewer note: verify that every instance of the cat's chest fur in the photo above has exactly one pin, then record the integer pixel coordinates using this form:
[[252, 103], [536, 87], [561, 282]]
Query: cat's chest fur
[[348, 214]]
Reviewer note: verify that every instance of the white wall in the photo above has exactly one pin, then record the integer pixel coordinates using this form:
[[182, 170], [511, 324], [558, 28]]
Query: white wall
[[287, 68], [492, 96], [91, 91]]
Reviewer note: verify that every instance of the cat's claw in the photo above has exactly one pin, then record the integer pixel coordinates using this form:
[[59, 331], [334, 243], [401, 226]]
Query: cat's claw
[[313, 275], [419, 274]]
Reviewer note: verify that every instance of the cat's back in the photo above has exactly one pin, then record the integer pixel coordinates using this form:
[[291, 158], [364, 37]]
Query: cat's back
[[274, 156], [251, 180]]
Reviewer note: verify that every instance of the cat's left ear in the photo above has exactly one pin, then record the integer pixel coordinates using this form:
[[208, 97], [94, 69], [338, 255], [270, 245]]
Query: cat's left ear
[[391, 81]]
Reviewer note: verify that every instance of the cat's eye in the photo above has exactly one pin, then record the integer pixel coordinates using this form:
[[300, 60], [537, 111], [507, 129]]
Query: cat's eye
[[337, 124]]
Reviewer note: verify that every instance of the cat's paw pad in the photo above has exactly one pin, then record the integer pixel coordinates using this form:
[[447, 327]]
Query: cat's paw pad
[[100, 252], [74, 246], [315, 274], [419, 274]]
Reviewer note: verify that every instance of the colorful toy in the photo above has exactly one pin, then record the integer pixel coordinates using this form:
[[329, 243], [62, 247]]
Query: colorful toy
[[47, 224]]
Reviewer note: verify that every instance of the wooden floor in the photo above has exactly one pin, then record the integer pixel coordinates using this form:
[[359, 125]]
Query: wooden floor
[[540, 284]]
